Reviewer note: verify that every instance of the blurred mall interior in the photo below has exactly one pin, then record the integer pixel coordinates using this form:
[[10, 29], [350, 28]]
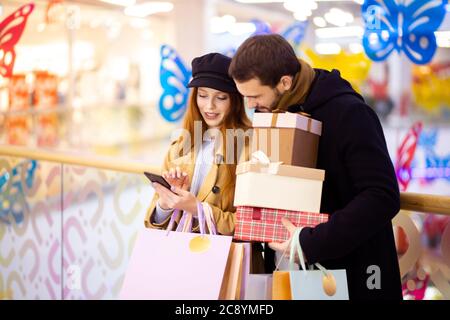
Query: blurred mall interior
[[85, 107]]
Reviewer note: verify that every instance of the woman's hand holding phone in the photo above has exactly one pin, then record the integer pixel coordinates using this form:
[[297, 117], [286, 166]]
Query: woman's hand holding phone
[[178, 197], [176, 178]]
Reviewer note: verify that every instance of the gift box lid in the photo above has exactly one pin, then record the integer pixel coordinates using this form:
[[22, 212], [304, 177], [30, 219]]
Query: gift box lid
[[276, 168], [287, 120]]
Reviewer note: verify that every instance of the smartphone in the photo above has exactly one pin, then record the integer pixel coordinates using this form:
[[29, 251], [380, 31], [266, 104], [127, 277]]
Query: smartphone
[[157, 178]]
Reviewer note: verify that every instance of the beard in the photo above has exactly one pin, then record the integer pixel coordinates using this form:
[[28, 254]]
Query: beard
[[277, 99]]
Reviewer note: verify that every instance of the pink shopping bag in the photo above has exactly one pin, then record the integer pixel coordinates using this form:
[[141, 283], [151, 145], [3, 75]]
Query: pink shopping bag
[[167, 265]]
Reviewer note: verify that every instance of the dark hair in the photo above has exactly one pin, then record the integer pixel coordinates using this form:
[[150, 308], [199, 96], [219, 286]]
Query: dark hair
[[266, 57]]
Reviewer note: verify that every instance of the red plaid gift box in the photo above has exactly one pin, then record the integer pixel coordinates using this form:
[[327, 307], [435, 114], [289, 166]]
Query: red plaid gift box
[[264, 224]]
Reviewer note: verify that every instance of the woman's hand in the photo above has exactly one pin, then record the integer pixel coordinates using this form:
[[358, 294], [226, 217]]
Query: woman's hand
[[176, 198], [176, 178]]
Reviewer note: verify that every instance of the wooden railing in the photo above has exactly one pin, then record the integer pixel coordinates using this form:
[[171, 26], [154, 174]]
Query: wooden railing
[[427, 203], [104, 163]]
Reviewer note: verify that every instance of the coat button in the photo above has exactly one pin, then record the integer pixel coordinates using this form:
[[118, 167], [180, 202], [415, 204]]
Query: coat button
[[219, 158], [215, 189]]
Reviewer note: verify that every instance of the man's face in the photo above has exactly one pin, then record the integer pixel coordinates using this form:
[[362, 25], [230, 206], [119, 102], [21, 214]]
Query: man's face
[[260, 97]]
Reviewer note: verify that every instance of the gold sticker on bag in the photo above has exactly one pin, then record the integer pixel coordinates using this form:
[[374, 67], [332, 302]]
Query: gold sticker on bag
[[329, 284], [199, 244]]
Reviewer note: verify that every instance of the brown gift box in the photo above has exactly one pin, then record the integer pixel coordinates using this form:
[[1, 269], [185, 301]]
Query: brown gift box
[[288, 137]]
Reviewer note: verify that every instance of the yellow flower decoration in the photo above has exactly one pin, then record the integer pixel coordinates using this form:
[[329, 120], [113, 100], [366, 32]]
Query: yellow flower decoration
[[354, 67], [430, 88]]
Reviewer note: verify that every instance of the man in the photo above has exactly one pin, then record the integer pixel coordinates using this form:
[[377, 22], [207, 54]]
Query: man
[[360, 190]]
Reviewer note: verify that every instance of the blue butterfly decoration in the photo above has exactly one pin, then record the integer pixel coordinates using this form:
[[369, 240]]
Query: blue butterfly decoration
[[14, 195], [295, 32], [174, 78], [261, 27], [402, 25]]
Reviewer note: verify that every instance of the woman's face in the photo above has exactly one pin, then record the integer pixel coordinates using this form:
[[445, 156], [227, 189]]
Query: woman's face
[[214, 105]]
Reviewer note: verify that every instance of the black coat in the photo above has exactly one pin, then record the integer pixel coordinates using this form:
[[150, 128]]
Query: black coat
[[360, 190]]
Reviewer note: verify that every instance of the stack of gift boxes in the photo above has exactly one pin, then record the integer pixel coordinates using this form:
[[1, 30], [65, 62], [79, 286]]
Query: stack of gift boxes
[[286, 185]]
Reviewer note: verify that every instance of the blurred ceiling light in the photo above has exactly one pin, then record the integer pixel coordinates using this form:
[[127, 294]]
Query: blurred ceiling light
[[139, 23], [443, 39], [357, 1], [320, 22], [300, 16], [228, 19], [217, 25], [259, 1], [301, 9], [338, 17], [241, 28], [124, 3], [355, 47], [328, 48], [222, 24], [304, 5], [145, 9], [227, 23], [340, 32]]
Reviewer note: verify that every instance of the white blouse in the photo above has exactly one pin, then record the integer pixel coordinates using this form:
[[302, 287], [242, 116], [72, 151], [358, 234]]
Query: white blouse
[[203, 163]]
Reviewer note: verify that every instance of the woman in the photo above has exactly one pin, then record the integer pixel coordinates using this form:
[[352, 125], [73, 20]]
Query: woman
[[201, 174]]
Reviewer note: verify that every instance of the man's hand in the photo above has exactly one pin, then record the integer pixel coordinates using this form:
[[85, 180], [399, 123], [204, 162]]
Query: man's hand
[[285, 246]]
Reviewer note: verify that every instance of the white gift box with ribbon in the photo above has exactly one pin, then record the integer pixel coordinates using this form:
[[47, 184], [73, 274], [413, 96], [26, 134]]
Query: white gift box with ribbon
[[260, 183]]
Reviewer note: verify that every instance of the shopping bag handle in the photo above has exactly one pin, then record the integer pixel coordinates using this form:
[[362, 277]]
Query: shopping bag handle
[[185, 224], [295, 245], [292, 247], [174, 216], [201, 217], [209, 218]]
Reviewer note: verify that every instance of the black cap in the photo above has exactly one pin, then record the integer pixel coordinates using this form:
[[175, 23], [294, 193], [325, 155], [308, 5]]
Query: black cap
[[211, 71]]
